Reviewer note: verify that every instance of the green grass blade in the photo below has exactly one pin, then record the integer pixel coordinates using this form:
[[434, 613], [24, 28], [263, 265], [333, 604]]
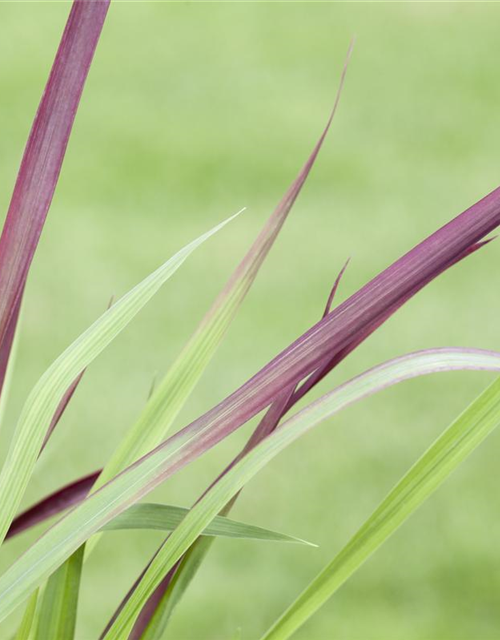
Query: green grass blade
[[163, 517], [26, 629], [61, 540], [431, 470], [43, 401], [57, 614]]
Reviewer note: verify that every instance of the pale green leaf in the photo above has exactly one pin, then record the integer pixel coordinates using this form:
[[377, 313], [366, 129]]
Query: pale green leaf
[[48, 392], [164, 517], [27, 628], [433, 468], [56, 617]]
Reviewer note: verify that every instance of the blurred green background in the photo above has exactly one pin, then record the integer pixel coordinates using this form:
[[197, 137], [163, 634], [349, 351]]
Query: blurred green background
[[192, 111]]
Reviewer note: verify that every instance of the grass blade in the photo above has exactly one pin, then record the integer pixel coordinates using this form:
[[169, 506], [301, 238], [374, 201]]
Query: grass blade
[[57, 544], [163, 517], [53, 504], [48, 393], [431, 470], [56, 617], [26, 629], [44, 152]]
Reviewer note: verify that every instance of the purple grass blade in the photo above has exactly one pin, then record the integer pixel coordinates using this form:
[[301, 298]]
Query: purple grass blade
[[331, 363], [333, 292], [44, 152], [265, 239], [53, 504], [62, 408]]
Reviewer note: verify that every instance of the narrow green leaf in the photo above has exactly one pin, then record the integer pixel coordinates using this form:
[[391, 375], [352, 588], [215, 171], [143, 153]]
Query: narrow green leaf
[[164, 517], [431, 470], [57, 614], [26, 629], [43, 401], [61, 540]]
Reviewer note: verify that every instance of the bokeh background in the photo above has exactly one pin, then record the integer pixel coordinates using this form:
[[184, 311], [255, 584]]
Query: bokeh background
[[191, 111]]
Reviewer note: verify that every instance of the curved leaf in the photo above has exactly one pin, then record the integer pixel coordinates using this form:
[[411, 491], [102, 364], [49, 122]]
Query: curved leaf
[[431, 470], [48, 393], [164, 517], [57, 544]]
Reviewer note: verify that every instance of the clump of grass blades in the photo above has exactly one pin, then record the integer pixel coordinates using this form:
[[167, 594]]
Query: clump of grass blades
[[48, 574]]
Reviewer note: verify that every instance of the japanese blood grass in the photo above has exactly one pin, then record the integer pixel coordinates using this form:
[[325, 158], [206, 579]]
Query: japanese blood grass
[[306, 361], [60, 541], [43, 157], [173, 392], [43, 401]]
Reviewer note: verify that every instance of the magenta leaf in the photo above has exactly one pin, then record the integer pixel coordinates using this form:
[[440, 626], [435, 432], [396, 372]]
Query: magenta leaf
[[53, 504], [43, 157]]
